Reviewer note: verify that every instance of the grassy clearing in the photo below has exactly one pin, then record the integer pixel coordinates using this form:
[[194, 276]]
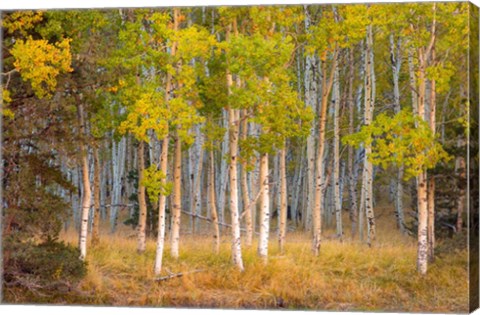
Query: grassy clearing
[[346, 276]]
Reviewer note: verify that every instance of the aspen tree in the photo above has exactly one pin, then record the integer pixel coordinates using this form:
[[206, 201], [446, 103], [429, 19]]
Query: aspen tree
[[96, 195], [86, 193]]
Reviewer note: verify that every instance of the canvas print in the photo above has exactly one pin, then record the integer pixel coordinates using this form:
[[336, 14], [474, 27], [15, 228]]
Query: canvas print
[[301, 157]]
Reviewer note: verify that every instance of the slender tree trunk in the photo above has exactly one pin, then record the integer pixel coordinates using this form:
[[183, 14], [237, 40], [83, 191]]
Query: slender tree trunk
[[177, 170], [368, 167], [283, 199], [422, 181], [351, 153], [247, 205], [460, 170], [234, 208], [118, 172], [142, 202], [162, 205], [320, 182], [162, 202], [86, 193], [311, 101], [195, 167], [396, 59], [361, 212], [336, 154], [233, 126], [431, 179], [223, 171], [413, 84], [96, 200], [264, 208], [177, 197], [213, 205]]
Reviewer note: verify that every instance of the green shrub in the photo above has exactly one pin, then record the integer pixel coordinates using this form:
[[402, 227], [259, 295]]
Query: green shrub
[[44, 264]]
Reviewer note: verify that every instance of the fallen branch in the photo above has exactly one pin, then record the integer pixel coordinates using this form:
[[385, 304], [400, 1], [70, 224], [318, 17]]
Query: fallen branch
[[210, 220], [177, 275]]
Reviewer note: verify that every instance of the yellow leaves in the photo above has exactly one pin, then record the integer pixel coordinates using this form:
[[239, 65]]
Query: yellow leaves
[[6, 96], [21, 21], [40, 63], [148, 112], [5, 99]]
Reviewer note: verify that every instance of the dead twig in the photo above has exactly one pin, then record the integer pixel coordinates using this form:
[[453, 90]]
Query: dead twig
[[177, 275]]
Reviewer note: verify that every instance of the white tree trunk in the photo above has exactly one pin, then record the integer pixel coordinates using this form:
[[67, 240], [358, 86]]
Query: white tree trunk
[[177, 198], [283, 199], [234, 208], [142, 202], [213, 205], [96, 194], [396, 63], [118, 172], [195, 175], [336, 154], [311, 94], [264, 208], [247, 205], [368, 167], [320, 182], [86, 192], [161, 208], [222, 187]]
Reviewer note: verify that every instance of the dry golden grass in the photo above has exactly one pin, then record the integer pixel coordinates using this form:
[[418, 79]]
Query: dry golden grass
[[346, 276]]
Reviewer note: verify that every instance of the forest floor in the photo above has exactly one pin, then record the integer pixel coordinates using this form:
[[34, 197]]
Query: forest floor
[[347, 275]]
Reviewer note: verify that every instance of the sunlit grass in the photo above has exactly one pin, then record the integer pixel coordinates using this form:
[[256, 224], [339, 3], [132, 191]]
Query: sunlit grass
[[347, 275]]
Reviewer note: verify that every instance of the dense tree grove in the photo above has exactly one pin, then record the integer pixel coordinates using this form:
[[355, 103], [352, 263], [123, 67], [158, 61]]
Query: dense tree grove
[[250, 120]]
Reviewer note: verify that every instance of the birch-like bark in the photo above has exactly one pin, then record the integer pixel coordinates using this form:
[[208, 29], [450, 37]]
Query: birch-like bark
[[162, 202], [310, 86], [197, 171], [213, 205], [422, 189], [283, 199], [234, 208], [336, 154], [422, 180], [297, 186], [351, 153], [177, 171], [177, 198], [142, 201], [222, 178], [247, 205], [96, 198], [264, 208], [162, 205], [431, 179], [460, 170], [233, 127], [396, 63], [104, 186], [368, 167], [118, 172], [319, 184], [86, 192]]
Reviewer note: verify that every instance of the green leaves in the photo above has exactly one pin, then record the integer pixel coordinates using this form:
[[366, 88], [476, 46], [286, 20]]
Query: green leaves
[[400, 140], [152, 180]]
